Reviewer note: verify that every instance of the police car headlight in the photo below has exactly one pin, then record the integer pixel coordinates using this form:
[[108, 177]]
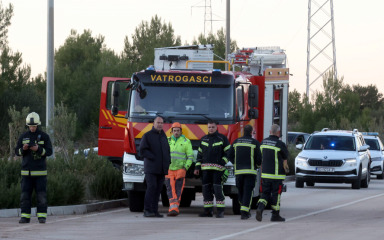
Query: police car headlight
[[351, 162], [302, 162], [133, 169]]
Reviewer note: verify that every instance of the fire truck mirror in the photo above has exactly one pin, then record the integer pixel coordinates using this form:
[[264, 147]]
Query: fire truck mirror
[[253, 96], [115, 98], [253, 113]]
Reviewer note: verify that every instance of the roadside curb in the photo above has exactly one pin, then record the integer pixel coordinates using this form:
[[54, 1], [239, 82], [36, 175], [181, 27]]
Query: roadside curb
[[290, 178], [71, 209]]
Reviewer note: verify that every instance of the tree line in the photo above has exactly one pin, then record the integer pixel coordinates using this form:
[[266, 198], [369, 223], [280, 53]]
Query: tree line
[[337, 106], [80, 63], [83, 59]]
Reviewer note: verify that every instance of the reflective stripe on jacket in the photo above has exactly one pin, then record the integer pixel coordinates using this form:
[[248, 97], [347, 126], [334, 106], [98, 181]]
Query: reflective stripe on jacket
[[274, 152], [34, 163], [212, 152], [181, 153], [245, 155]]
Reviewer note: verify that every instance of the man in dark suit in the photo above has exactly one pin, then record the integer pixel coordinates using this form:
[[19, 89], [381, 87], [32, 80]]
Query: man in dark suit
[[154, 150]]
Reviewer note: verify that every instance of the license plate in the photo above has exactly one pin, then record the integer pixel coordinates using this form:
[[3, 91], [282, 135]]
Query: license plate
[[325, 169]]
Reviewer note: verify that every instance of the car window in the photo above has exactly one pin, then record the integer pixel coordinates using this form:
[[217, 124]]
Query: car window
[[300, 139], [291, 137], [373, 144], [342, 143]]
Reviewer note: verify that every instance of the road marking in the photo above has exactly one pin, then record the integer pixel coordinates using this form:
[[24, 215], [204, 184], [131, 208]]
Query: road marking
[[296, 218]]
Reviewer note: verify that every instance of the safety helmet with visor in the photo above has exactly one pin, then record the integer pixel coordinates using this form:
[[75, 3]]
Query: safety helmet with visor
[[33, 119]]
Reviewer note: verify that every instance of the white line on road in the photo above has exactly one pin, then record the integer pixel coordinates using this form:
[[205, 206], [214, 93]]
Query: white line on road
[[296, 218], [62, 220]]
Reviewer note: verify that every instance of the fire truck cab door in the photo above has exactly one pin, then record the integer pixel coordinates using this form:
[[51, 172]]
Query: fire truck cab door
[[112, 128]]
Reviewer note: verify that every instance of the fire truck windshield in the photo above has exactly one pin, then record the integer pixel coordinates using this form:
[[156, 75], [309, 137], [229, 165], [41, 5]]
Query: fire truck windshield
[[184, 102]]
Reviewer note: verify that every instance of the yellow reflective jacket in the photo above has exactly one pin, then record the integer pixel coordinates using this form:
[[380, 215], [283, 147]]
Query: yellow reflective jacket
[[181, 153]]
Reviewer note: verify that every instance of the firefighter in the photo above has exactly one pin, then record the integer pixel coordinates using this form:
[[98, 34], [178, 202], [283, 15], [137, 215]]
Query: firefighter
[[211, 160], [34, 146], [246, 156], [274, 167], [181, 161]]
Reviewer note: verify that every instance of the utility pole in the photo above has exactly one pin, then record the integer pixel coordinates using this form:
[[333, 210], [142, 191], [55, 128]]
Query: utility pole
[[321, 46], [50, 100], [228, 33]]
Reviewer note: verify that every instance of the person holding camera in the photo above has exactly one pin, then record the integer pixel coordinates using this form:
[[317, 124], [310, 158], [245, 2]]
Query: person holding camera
[[211, 160], [34, 146], [274, 167]]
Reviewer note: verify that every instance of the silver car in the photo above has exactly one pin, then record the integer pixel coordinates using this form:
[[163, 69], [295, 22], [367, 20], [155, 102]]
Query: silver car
[[377, 153]]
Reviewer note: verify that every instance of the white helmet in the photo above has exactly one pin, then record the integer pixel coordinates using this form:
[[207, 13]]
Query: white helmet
[[33, 119]]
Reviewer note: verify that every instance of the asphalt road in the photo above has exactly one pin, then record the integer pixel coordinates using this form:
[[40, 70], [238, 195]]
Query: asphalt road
[[326, 211]]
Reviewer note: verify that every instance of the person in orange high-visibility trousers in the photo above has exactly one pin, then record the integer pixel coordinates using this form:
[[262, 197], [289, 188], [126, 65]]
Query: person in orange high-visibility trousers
[[181, 160]]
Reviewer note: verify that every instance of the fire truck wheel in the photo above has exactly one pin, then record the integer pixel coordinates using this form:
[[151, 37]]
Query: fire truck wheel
[[136, 201]]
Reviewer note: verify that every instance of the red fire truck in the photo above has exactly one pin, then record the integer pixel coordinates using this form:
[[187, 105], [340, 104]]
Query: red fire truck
[[182, 86]]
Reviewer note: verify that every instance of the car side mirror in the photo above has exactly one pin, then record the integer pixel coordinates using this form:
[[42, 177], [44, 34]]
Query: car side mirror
[[364, 148], [299, 146]]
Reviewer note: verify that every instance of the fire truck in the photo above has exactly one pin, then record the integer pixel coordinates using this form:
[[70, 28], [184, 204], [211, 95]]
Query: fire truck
[[182, 86]]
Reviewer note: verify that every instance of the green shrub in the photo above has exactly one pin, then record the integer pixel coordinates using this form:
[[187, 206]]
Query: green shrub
[[68, 182], [293, 152], [108, 183], [10, 194]]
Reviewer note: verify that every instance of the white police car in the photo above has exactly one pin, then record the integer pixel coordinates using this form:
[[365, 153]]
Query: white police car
[[377, 153], [333, 156]]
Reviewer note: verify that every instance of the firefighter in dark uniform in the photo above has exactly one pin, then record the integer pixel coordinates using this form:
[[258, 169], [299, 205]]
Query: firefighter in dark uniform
[[246, 156], [211, 160], [274, 167], [34, 146]]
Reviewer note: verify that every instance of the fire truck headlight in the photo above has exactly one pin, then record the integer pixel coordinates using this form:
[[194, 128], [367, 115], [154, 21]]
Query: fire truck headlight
[[134, 169]]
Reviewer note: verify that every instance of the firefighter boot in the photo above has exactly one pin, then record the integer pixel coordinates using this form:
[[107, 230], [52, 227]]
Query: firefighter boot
[[259, 211], [24, 220], [208, 212], [245, 215], [42, 220], [276, 217], [220, 212]]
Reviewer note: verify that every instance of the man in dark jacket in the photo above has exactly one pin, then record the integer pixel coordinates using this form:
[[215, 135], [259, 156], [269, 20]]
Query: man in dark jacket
[[34, 146], [274, 167], [246, 156], [211, 159], [154, 150]]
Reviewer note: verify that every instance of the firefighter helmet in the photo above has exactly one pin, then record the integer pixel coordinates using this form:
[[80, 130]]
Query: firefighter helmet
[[33, 119], [176, 125]]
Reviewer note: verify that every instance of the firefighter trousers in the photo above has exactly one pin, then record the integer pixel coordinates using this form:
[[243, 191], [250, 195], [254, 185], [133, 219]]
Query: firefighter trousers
[[245, 184], [271, 192], [211, 181], [174, 182], [28, 185], [152, 194]]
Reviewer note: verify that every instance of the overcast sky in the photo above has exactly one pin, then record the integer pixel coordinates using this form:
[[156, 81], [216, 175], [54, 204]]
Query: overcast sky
[[359, 29]]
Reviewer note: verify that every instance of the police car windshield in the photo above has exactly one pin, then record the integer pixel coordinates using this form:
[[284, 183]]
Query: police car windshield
[[184, 102], [373, 144], [328, 142]]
